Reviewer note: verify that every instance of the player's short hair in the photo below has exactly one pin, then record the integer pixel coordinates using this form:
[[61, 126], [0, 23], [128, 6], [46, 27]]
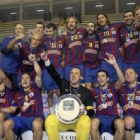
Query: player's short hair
[[131, 69], [91, 22], [51, 25], [104, 71], [39, 22], [78, 69], [126, 11]]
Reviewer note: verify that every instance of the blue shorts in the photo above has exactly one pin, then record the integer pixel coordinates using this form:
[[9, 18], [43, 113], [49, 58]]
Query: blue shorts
[[68, 68], [110, 69], [107, 124], [48, 82], [23, 123], [135, 66], [91, 75]]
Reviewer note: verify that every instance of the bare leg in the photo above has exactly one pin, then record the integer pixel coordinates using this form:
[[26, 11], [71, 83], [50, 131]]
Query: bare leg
[[37, 129], [8, 129], [57, 93], [129, 123], [95, 123], [50, 98], [119, 126], [2, 117]]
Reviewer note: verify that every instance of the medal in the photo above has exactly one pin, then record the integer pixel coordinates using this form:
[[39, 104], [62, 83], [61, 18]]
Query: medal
[[103, 98], [130, 103], [2, 94], [105, 40], [104, 105], [26, 98], [128, 40]]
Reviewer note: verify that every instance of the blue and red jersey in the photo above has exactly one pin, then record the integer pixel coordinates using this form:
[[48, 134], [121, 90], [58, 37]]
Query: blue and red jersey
[[29, 102], [130, 100], [6, 97], [92, 48], [106, 101], [74, 48], [9, 59], [54, 48], [109, 39], [25, 65], [130, 39]]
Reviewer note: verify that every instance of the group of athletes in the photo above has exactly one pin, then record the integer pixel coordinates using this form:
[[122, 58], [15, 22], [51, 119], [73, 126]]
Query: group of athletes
[[104, 56]]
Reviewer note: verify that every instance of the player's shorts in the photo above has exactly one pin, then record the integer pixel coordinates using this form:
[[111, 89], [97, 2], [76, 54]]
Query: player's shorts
[[23, 123], [107, 124], [135, 66], [48, 82], [90, 75], [110, 69], [68, 68]]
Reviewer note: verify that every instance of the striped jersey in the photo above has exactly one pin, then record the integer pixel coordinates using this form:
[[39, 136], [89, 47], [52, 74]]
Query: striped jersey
[[92, 48], [130, 100], [29, 103], [54, 49], [25, 65], [74, 48], [130, 39], [109, 39], [6, 97], [106, 101]]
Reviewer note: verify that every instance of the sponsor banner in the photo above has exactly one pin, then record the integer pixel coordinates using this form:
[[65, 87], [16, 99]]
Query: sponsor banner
[[69, 136]]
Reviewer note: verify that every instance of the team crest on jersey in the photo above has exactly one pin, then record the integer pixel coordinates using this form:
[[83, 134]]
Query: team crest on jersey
[[31, 94], [113, 32], [137, 98], [136, 33], [96, 46], [80, 36], [60, 45], [2, 94]]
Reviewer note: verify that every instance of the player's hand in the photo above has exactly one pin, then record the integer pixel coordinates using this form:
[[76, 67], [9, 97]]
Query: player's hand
[[20, 36], [32, 57], [63, 63], [111, 59], [44, 56], [32, 102], [2, 87], [82, 109]]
